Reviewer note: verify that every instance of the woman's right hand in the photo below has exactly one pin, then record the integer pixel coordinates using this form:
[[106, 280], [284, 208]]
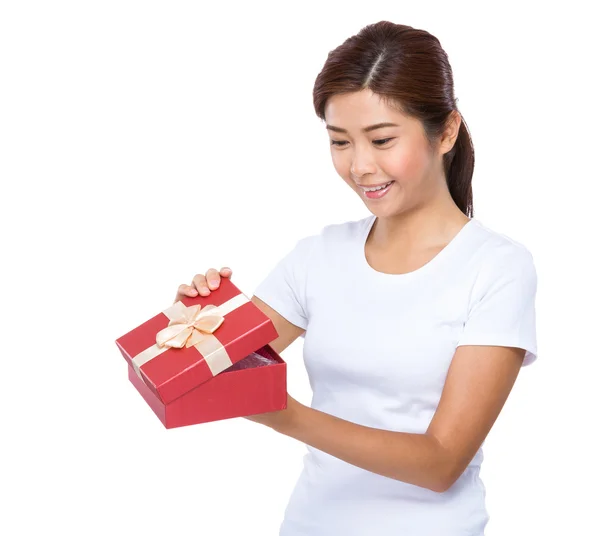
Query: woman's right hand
[[203, 284]]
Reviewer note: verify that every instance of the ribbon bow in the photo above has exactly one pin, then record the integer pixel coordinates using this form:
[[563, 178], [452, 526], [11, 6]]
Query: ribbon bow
[[189, 326]]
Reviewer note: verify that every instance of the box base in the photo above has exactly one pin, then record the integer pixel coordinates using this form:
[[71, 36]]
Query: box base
[[236, 393]]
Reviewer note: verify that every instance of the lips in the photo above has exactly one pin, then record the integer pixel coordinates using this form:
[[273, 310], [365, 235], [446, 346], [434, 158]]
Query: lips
[[379, 193], [369, 186]]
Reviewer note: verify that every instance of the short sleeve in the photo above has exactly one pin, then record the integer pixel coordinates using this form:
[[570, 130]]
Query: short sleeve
[[284, 288], [502, 307]]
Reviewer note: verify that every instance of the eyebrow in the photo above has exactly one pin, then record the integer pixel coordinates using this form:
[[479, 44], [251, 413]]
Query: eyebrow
[[366, 129]]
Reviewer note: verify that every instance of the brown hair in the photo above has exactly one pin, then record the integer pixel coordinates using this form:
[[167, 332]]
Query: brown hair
[[409, 69]]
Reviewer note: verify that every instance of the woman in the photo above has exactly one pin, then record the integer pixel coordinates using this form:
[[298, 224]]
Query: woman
[[416, 320]]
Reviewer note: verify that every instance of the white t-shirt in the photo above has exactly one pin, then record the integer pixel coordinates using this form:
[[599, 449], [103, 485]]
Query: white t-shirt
[[377, 349]]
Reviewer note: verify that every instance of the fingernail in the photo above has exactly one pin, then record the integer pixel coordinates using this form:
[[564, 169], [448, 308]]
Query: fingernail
[[204, 289], [213, 283], [193, 291]]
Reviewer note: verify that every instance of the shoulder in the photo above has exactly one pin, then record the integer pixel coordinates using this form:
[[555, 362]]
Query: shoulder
[[496, 245], [501, 256], [336, 234], [345, 232], [330, 242]]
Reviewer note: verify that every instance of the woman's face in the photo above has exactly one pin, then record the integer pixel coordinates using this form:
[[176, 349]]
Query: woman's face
[[398, 154]]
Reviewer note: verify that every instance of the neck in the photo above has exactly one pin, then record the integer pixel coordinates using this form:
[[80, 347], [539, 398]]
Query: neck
[[427, 226]]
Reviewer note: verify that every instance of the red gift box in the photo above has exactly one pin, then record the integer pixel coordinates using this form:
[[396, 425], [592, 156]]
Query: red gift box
[[232, 393], [183, 360]]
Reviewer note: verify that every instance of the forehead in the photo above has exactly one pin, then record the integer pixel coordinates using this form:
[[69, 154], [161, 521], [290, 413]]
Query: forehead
[[359, 109]]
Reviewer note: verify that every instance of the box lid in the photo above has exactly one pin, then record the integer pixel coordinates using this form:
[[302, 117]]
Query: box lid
[[238, 328]]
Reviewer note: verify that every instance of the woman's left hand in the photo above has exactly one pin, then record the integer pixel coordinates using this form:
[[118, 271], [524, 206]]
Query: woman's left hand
[[279, 420]]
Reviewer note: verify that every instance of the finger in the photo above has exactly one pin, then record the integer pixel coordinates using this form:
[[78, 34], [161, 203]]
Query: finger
[[187, 290], [225, 272], [183, 291], [199, 282], [213, 278]]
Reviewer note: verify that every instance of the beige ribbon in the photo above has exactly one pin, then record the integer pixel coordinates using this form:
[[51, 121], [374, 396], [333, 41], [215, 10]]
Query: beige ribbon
[[192, 327]]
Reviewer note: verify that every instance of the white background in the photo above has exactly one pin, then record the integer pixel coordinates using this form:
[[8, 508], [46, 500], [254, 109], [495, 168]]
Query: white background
[[144, 142]]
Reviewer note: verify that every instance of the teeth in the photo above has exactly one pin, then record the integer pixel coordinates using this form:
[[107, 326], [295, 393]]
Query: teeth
[[378, 188]]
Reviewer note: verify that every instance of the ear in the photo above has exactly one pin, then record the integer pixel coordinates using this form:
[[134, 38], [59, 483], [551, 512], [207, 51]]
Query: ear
[[451, 132]]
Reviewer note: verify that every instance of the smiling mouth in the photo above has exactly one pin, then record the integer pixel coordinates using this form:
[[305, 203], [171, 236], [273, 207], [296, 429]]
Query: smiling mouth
[[377, 192], [375, 188]]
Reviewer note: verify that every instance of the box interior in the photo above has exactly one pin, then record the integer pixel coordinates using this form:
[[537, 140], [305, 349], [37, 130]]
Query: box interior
[[266, 352]]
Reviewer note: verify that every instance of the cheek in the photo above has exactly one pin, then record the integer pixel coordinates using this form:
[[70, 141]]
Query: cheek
[[407, 164], [340, 163]]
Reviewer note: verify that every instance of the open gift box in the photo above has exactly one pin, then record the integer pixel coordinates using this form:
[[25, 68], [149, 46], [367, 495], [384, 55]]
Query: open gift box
[[207, 358]]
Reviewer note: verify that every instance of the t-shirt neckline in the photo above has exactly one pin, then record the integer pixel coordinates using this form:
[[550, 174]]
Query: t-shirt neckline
[[426, 268]]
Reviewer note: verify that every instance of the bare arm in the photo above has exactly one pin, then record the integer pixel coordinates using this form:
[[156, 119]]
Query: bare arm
[[203, 284], [477, 386], [287, 331]]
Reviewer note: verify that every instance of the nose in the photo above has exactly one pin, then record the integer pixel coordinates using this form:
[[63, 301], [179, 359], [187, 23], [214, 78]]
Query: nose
[[362, 164]]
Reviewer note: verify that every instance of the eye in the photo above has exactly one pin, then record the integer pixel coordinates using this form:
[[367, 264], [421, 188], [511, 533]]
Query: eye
[[379, 143], [383, 142]]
